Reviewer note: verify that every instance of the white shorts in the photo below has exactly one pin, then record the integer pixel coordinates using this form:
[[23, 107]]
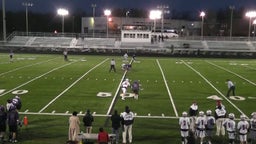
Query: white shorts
[[200, 133], [124, 90], [243, 138], [184, 133]]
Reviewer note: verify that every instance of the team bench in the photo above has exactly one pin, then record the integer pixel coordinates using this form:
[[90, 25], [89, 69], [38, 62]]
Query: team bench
[[86, 137]]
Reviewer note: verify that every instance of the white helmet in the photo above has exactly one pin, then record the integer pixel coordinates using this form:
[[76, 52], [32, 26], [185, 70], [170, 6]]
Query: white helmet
[[184, 114], [208, 112], [253, 115], [127, 79], [231, 116], [242, 117], [201, 113]]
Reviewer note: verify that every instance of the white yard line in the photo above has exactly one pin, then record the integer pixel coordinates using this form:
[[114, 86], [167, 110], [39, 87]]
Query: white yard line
[[213, 87], [25, 67], [35, 79], [168, 90], [72, 85], [116, 93], [232, 73]]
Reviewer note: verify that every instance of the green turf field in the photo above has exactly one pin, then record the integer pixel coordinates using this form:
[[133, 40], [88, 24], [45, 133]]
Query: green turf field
[[54, 88]]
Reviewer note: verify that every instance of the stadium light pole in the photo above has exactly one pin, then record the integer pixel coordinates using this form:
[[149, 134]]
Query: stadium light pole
[[202, 14], [4, 21], [107, 13], [27, 4], [250, 14], [154, 15], [231, 21], [62, 12], [254, 24], [164, 10], [93, 16]]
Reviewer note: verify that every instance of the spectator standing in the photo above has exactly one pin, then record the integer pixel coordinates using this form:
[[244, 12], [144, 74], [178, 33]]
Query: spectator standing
[[65, 54], [231, 87], [230, 126], [201, 122], [3, 118], [74, 127], [116, 124], [103, 137], [243, 127], [252, 134], [210, 126], [127, 122], [88, 120], [193, 110], [13, 120], [135, 89], [220, 115], [11, 56], [184, 123], [112, 65]]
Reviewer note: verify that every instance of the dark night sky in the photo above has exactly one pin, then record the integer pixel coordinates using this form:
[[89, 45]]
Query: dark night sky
[[85, 5]]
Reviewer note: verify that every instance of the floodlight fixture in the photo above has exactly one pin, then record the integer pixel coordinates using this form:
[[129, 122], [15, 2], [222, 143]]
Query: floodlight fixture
[[250, 14], [62, 12], [202, 14], [107, 13]]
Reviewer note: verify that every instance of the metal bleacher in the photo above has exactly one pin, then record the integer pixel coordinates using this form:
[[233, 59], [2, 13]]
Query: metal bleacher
[[228, 45], [178, 46]]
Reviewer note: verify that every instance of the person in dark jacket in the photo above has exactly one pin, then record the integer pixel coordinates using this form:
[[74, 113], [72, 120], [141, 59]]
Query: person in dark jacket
[[116, 124], [3, 118], [13, 120], [88, 119]]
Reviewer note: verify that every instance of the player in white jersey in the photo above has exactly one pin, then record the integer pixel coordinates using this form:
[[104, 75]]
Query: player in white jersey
[[184, 123], [210, 125], [201, 122], [252, 135], [243, 127], [230, 126], [193, 110], [125, 85]]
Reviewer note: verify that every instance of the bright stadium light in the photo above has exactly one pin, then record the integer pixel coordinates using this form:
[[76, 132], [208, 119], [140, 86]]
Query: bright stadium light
[[154, 15], [107, 13], [62, 12], [250, 14], [202, 14]]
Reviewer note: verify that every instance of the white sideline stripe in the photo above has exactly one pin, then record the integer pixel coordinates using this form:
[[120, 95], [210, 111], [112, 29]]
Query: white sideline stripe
[[168, 90], [232, 73], [116, 93], [71, 85], [96, 115], [35, 79], [103, 115], [213, 87], [25, 67]]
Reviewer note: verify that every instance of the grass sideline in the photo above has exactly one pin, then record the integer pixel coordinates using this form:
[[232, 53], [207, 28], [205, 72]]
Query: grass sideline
[[169, 85]]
